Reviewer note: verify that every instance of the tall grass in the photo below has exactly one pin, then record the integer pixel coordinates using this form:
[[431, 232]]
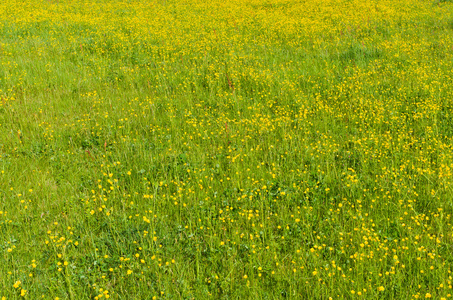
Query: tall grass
[[226, 149]]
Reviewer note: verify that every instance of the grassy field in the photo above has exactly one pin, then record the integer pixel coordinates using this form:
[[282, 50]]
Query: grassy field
[[257, 149]]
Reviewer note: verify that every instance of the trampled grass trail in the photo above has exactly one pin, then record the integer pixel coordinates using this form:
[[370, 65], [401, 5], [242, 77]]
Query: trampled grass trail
[[257, 149]]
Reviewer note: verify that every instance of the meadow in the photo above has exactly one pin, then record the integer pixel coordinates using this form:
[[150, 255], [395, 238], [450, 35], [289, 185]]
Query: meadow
[[257, 149]]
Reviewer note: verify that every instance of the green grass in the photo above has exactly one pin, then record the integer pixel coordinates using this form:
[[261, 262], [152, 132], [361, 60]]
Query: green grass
[[261, 150]]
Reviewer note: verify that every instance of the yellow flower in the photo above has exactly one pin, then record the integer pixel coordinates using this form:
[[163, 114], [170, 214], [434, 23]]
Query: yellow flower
[[381, 289], [17, 284]]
